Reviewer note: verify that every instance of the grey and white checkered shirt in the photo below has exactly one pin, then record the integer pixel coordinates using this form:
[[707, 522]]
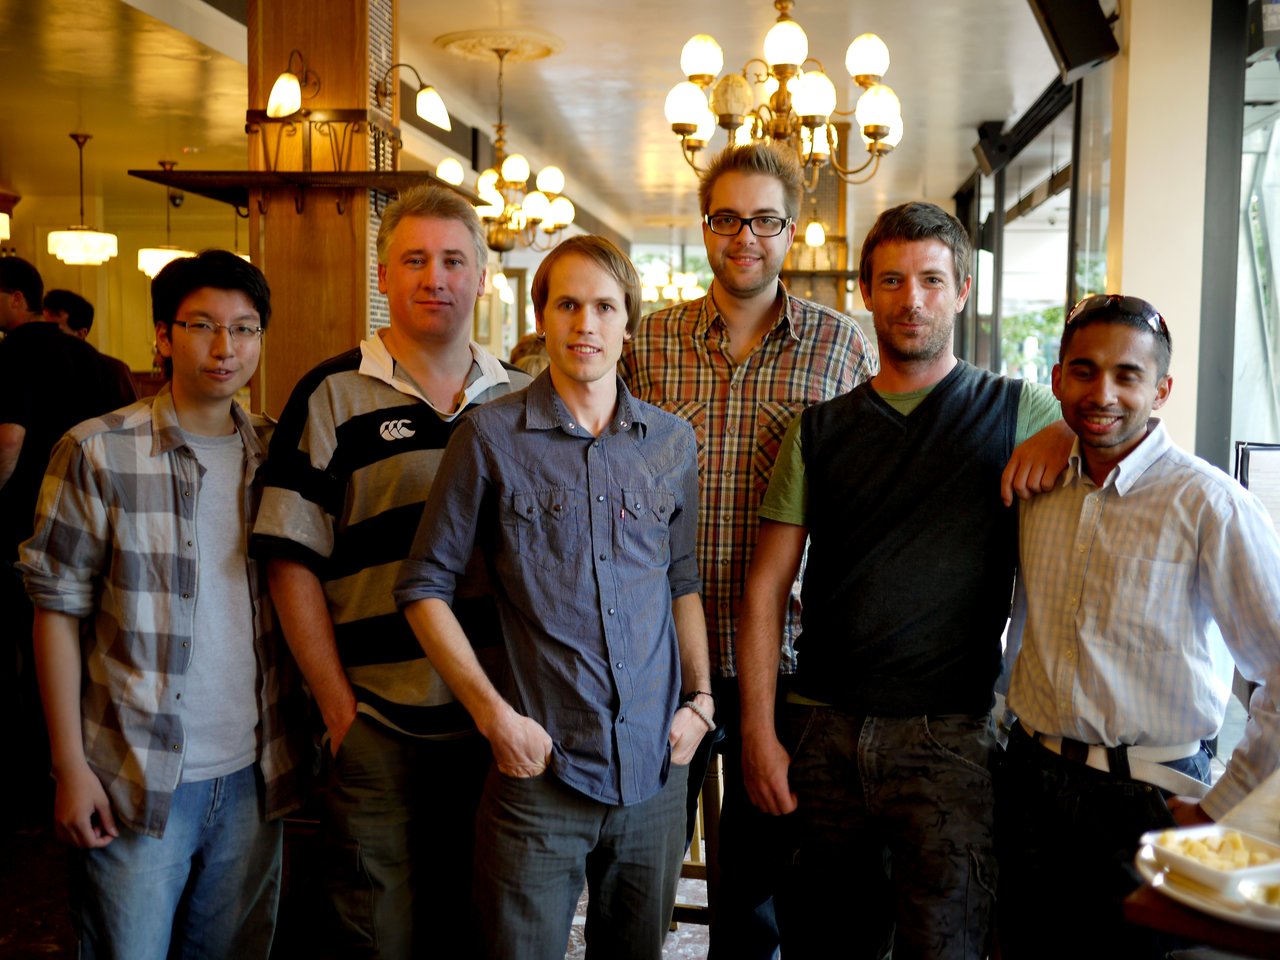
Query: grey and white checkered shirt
[[115, 545]]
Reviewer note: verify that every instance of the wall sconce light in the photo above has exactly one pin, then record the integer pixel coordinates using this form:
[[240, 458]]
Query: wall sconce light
[[7, 202], [151, 260], [78, 245], [429, 105], [288, 90]]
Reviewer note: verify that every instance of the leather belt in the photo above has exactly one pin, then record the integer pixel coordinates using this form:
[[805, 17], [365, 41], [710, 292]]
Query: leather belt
[[1144, 763]]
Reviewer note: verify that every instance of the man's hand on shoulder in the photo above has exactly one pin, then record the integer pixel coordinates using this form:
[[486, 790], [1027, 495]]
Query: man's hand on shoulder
[[765, 764], [81, 810], [1037, 463]]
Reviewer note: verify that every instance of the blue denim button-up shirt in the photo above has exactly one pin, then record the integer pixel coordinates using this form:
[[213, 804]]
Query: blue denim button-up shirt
[[589, 540]]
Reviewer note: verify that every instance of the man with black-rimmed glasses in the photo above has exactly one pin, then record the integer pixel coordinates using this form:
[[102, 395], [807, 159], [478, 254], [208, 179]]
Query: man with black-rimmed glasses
[[739, 364], [156, 661], [1134, 570]]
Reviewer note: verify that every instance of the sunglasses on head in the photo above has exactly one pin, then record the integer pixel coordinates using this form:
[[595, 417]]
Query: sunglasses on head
[[1115, 303]]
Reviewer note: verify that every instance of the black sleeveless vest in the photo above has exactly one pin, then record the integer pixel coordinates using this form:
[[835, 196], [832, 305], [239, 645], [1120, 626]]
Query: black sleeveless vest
[[912, 554]]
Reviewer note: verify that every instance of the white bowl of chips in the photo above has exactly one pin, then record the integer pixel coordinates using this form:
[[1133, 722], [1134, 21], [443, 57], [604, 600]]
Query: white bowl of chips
[[1216, 856]]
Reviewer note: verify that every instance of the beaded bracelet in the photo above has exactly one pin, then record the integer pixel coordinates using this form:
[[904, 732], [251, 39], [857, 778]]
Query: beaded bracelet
[[702, 714]]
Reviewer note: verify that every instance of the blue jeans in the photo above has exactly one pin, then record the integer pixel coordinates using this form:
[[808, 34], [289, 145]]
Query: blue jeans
[[399, 815], [538, 841], [1068, 835], [893, 835], [208, 888]]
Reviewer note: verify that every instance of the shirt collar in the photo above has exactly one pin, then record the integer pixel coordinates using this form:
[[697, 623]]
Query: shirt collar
[[166, 431], [544, 410], [789, 317], [1126, 473], [486, 372]]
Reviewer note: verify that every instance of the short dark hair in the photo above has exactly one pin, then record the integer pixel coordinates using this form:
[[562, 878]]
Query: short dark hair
[[917, 221], [605, 255], [1123, 311], [763, 158], [20, 276], [432, 202], [219, 269], [79, 311]]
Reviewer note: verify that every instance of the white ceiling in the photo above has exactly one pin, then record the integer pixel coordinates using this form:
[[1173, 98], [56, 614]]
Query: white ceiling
[[148, 91]]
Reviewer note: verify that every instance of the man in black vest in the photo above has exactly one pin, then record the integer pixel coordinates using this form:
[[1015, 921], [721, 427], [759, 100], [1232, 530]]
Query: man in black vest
[[886, 742]]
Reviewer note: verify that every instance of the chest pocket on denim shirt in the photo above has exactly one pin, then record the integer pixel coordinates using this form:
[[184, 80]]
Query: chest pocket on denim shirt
[[547, 526], [643, 529]]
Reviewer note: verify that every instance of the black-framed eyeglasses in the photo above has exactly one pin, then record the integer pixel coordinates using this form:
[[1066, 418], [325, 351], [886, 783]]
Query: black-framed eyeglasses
[[726, 225], [1117, 303], [207, 329]]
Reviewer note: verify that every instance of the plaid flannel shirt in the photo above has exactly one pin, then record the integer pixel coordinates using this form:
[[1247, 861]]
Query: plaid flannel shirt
[[679, 360], [114, 545]]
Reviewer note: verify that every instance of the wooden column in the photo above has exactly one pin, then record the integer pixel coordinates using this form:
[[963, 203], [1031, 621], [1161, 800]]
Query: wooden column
[[316, 246]]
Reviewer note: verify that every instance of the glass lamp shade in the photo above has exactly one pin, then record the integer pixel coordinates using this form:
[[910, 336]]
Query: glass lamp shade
[[432, 109], [562, 211], [742, 136], [892, 139], [450, 171], [507, 295], [515, 169], [536, 206], [815, 234], [80, 246], [867, 56], [685, 103], [648, 293], [493, 206], [768, 89], [670, 292], [551, 180], [4, 226], [786, 43], [692, 292], [732, 96], [500, 281], [701, 56], [151, 260], [706, 126], [814, 142], [487, 181], [286, 96], [879, 106], [813, 95]]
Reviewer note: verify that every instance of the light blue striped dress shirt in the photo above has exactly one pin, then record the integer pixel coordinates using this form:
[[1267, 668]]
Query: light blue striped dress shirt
[[1125, 596]]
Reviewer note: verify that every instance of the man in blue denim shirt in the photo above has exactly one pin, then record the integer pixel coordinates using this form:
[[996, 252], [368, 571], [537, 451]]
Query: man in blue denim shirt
[[583, 502]]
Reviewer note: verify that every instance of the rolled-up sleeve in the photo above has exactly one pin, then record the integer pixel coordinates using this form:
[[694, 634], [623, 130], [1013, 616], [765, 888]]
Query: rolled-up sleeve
[[447, 532], [62, 560]]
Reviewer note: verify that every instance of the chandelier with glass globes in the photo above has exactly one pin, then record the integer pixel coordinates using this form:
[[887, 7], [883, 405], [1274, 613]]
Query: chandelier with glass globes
[[797, 104]]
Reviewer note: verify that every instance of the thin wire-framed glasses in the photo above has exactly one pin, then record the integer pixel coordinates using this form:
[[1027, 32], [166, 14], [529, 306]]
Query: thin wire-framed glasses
[[1132, 306], [725, 225], [207, 329]]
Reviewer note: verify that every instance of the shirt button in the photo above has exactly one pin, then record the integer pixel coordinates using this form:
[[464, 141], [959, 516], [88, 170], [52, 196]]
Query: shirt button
[[622, 719], [724, 563], [186, 643], [604, 556], [600, 498], [186, 493], [176, 748], [178, 697], [622, 424], [611, 611], [619, 664], [186, 596], [189, 543], [571, 426], [556, 507]]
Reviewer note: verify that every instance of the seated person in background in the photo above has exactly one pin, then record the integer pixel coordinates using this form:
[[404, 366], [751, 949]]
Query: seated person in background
[[1129, 569], [583, 502], [153, 645], [74, 314]]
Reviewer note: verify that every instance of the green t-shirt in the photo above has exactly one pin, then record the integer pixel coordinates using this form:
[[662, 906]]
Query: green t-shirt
[[787, 498]]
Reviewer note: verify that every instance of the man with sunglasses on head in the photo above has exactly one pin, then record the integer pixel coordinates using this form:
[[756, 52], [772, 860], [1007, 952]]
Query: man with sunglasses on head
[[157, 664], [739, 364], [1134, 570]]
